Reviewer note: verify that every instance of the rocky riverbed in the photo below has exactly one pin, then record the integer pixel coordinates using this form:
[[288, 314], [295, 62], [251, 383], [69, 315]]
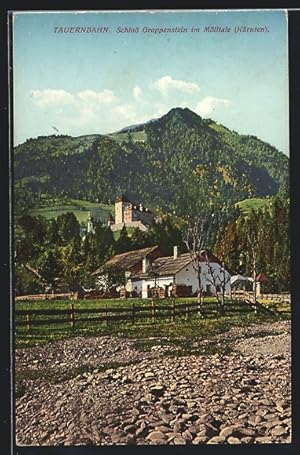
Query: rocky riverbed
[[111, 390]]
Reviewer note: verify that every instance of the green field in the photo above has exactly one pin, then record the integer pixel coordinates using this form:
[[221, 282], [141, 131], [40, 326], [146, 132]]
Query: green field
[[253, 203], [80, 208], [196, 326]]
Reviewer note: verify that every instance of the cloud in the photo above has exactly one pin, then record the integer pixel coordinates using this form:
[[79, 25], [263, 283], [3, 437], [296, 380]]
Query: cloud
[[51, 98], [86, 116], [137, 92], [127, 111], [90, 96], [209, 104], [166, 84]]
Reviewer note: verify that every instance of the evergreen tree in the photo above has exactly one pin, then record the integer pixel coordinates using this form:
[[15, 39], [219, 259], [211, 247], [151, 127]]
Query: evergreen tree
[[68, 227], [50, 266], [104, 242], [123, 243], [139, 239]]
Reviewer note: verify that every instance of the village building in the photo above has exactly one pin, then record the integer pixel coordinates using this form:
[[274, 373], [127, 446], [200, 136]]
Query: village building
[[131, 262], [129, 214], [176, 276], [150, 274]]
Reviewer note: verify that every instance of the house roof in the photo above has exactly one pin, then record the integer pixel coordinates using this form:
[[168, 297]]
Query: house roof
[[169, 266], [165, 266], [127, 260], [262, 278]]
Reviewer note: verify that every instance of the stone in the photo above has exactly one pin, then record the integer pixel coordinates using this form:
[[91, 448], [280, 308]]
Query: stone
[[178, 426], [200, 440], [216, 440], [130, 428], [141, 432], [186, 416], [149, 374], [227, 431], [117, 436], [279, 431], [158, 390], [187, 435], [233, 440], [270, 416], [156, 435], [162, 428], [263, 440], [247, 440], [245, 432], [166, 418], [179, 441]]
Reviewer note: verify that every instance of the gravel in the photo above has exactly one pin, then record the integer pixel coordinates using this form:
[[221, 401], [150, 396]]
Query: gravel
[[124, 395]]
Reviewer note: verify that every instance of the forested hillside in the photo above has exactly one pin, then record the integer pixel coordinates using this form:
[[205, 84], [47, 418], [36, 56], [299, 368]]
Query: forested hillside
[[172, 164]]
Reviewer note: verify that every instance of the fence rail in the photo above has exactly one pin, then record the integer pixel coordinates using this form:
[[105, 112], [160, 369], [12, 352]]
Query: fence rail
[[134, 312], [50, 296], [33, 317], [283, 297]]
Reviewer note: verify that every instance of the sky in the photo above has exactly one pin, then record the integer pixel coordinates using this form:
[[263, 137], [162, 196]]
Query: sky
[[75, 83]]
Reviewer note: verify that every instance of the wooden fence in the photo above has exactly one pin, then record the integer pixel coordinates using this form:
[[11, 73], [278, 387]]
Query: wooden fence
[[50, 296], [248, 295], [72, 315]]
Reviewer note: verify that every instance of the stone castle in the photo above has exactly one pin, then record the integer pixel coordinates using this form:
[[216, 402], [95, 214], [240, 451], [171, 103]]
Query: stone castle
[[130, 215]]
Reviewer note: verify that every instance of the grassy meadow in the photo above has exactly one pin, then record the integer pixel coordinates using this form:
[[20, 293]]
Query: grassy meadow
[[80, 208], [254, 203], [237, 313]]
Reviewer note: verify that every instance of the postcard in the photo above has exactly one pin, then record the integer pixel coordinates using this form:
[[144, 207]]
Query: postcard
[[151, 228]]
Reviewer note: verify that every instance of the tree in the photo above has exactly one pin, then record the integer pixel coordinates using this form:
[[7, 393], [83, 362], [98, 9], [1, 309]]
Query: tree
[[253, 244], [123, 243], [68, 227], [166, 235], [30, 235], [50, 266], [27, 282], [139, 239], [227, 248], [53, 236], [195, 237], [113, 276], [219, 278], [104, 242]]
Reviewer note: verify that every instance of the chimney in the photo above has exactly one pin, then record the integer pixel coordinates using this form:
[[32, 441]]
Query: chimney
[[175, 252], [145, 265]]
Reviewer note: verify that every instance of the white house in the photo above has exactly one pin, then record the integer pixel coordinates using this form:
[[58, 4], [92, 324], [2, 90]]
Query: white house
[[177, 275]]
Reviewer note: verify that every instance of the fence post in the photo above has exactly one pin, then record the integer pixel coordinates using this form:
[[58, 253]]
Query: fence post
[[199, 309], [133, 312], [106, 314], [153, 310], [173, 311], [187, 310], [72, 316], [28, 319]]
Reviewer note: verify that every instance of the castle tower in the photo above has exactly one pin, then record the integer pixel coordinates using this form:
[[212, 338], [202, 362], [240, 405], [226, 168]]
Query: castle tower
[[120, 205]]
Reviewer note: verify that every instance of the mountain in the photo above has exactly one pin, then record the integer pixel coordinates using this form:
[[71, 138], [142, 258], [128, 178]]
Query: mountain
[[136, 127], [172, 163]]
